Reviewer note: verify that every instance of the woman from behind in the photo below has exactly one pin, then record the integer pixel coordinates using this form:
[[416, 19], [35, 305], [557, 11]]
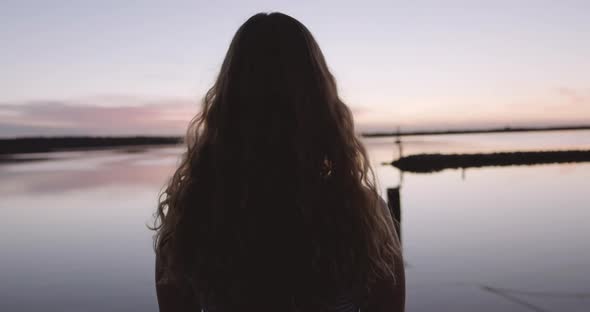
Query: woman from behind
[[274, 207]]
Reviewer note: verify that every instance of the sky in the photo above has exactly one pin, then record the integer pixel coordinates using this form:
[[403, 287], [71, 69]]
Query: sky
[[142, 67]]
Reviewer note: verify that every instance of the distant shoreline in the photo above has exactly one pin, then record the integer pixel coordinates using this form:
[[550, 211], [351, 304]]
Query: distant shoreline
[[475, 131], [428, 163], [54, 144]]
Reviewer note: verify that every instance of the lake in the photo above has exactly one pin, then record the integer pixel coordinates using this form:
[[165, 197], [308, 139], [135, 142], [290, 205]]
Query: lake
[[74, 235]]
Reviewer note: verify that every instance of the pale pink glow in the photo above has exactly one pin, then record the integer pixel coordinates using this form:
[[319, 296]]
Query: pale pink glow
[[162, 117], [128, 115], [543, 107]]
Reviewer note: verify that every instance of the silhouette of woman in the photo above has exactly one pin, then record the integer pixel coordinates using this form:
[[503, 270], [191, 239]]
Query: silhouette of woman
[[274, 205]]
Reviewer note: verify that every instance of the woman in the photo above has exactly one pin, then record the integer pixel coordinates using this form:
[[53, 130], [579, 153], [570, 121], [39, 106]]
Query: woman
[[274, 207]]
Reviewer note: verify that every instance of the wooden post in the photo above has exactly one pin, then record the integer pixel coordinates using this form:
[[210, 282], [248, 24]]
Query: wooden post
[[394, 204]]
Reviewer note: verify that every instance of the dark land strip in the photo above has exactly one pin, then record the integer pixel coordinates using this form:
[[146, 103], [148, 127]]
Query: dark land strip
[[475, 131], [54, 144], [425, 163]]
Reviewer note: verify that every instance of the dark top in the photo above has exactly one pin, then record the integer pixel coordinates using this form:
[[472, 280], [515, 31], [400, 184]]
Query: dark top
[[386, 295]]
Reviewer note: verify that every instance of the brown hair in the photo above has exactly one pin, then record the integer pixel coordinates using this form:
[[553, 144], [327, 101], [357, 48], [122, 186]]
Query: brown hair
[[274, 196]]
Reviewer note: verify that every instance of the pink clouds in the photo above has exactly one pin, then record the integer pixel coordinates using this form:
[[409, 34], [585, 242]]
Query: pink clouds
[[87, 117], [575, 97], [128, 115]]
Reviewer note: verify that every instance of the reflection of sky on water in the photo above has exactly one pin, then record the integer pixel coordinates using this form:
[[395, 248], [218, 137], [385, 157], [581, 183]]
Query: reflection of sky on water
[[509, 227], [74, 234], [89, 170]]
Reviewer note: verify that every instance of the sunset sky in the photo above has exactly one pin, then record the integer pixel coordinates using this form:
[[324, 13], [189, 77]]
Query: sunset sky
[[122, 68]]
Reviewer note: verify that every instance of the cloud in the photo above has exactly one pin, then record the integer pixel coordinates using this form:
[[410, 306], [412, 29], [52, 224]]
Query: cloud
[[97, 116], [130, 115], [574, 97]]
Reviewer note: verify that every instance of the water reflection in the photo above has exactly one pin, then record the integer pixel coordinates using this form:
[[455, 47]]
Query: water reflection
[[87, 170], [553, 291], [75, 236]]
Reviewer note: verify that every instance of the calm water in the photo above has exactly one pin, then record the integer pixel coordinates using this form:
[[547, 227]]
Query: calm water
[[73, 234]]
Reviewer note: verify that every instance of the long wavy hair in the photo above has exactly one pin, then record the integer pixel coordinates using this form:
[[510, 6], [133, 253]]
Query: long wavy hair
[[274, 199]]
